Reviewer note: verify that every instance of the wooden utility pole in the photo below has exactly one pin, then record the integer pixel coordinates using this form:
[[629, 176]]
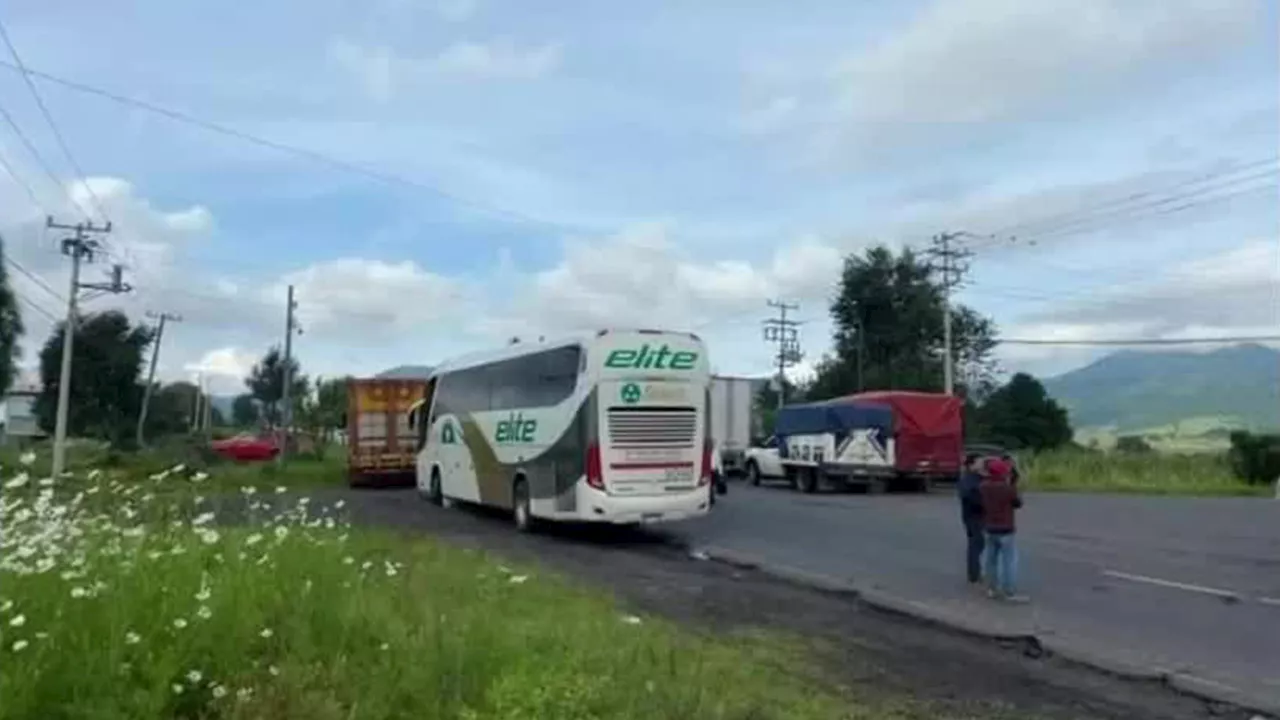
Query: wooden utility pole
[[952, 263], [286, 399], [783, 333], [80, 247], [151, 374]]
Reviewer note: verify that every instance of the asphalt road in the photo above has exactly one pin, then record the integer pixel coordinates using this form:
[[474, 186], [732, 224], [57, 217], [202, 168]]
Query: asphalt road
[[1184, 585]]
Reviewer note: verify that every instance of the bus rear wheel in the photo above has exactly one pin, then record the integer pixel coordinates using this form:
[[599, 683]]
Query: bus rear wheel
[[434, 493], [521, 510]]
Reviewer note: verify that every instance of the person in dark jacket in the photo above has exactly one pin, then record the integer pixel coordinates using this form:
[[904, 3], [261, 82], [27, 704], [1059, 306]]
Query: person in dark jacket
[[1000, 502], [971, 514]]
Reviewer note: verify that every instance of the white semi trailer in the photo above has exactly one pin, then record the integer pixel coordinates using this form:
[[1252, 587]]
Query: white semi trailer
[[734, 418]]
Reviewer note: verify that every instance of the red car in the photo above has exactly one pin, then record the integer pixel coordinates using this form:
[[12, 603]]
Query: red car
[[246, 448]]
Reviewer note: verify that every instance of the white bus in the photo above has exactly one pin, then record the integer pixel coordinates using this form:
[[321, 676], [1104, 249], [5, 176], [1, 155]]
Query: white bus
[[608, 427]]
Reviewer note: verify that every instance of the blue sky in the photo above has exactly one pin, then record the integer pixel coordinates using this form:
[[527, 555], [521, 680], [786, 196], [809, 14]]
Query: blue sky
[[665, 163]]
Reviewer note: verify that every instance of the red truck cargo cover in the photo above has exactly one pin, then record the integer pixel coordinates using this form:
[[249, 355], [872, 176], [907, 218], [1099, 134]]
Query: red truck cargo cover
[[929, 426]]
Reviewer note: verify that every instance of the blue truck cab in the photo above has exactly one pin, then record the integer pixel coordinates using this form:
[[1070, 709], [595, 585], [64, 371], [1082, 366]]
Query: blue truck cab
[[836, 443]]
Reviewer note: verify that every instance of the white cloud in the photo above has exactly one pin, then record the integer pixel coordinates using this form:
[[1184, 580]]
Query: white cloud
[[501, 60], [1229, 294], [223, 370], [456, 10], [381, 71], [356, 298], [984, 60]]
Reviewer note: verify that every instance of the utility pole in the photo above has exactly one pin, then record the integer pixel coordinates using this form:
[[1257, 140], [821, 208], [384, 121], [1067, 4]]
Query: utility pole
[[286, 412], [80, 247], [783, 333], [952, 262], [151, 374]]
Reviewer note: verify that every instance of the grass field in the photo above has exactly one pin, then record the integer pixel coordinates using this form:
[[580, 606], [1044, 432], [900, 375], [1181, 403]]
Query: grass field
[[1156, 473], [113, 610]]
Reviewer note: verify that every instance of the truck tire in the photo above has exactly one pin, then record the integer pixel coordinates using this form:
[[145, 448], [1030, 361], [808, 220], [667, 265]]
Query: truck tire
[[521, 511], [808, 481], [753, 473], [435, 493]]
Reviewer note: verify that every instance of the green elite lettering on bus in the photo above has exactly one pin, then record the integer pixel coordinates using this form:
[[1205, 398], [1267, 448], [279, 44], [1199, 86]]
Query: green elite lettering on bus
[[647, 358], [515, 429]]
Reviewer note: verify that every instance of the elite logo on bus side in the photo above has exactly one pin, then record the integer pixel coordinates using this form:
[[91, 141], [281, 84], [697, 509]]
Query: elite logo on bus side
[[647, 358]]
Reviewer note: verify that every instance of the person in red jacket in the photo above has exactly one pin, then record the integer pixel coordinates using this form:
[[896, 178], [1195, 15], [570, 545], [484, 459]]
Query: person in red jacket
[[1000, 502]]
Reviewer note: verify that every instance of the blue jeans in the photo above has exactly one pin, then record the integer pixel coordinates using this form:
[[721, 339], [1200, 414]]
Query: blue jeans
[[1002, 562]]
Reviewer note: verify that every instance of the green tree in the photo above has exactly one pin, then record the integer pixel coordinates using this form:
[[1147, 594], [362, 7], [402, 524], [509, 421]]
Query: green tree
[[106, 363], [1021, 415], [1133, 445], [767, 403], [888, 318], [171, 409], [10, 328], [245, 411], [324, 411], [266, 383]]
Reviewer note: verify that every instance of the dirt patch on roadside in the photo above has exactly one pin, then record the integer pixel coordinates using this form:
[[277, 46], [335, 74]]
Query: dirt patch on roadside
[[857, 647]]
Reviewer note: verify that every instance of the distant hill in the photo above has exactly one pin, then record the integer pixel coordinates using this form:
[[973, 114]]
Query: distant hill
[[1132, 390]]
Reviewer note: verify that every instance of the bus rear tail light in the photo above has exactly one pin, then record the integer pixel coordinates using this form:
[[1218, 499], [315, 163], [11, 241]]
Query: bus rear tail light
[[704, 476], [595, 471]]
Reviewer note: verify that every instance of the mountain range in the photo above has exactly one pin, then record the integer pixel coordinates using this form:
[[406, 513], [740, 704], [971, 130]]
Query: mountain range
[[1137, 390]]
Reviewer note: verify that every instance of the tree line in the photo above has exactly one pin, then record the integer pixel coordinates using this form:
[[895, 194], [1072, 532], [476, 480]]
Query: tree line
[[887, 315]]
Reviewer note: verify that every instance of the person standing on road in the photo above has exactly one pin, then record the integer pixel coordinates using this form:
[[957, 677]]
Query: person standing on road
[[1000, 502], [971, 514]]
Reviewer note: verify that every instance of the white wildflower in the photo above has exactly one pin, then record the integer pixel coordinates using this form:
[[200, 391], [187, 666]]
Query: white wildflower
[[79, 592], [348, 560], [209, 537], [204, 594], [244, 694], [132, 638], [200, 476], [391, 570], [385, 646], [218, 692], [253, 539], [27, 458], [281, 532], [248, 490], [177, 689], [203, 519], [6, 606], [18, 481], [280, 489], [266, 632], [177, 469], [94, 474], [366, 564], [273, 670], [631, 619], [194, 676], [18, 620], [204, 612], [518, 579], [179, 623], [340, 504]]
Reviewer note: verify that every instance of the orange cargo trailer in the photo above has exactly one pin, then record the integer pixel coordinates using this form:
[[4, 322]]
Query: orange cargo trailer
[[381, 446]]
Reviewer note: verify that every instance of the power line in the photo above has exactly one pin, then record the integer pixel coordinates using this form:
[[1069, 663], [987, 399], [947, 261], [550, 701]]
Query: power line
[[53, 126], [36, 306], [315, 156], [1144, 341], [31, 148], [34, 278], [1072, 215], [12, 172]]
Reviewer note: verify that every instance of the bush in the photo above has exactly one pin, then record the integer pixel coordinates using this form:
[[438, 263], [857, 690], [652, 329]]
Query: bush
[[1255, 458]]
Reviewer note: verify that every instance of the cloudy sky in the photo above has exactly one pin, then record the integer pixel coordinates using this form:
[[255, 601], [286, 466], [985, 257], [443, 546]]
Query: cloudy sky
[[434, 176]]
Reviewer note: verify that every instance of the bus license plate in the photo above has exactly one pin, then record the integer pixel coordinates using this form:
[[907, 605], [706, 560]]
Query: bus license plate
[[679, 476]]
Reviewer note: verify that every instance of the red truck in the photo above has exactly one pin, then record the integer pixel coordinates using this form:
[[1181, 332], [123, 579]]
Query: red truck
[[928, 434]]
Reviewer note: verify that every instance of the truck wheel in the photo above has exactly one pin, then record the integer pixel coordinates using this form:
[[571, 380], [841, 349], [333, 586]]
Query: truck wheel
[[753, 472], [521, 511], [808, 481], [435, 495]]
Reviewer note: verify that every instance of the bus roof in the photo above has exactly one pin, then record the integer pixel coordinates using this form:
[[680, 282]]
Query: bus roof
[[519, 349]]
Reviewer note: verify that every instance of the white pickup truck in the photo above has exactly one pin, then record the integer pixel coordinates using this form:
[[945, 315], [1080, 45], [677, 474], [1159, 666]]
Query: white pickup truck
[[761, 461]]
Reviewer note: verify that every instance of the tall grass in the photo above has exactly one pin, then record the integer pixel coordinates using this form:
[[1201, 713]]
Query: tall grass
[[108, 610], [1152, 473]]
